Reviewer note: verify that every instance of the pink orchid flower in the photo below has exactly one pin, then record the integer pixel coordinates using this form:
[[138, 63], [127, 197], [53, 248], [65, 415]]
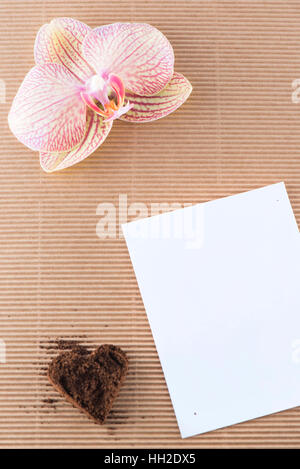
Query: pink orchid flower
[[86, 78]]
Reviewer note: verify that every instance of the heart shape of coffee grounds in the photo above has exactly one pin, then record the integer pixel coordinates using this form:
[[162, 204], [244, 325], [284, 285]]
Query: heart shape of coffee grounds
[[90, 380]]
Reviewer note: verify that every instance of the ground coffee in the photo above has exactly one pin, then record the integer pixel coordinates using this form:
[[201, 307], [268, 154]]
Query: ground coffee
[[90, 381]]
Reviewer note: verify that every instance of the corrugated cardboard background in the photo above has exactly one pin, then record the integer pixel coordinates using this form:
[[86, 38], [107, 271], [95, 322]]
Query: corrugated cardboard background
[[238, 131]]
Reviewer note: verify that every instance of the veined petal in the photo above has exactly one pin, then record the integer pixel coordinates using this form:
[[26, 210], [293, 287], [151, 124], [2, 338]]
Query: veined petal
[[47, 112], [96, 132], [136, 52], [61, 42], [150, 108]]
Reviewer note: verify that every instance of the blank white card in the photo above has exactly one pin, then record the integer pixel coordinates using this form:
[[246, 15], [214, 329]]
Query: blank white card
[[220, 285]]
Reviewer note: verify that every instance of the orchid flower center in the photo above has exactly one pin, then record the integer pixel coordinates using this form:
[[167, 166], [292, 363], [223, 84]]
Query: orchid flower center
[[105, 95]]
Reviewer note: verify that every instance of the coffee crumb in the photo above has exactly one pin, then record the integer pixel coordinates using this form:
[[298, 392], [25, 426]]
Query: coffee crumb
[[49, 402], [62, 344]]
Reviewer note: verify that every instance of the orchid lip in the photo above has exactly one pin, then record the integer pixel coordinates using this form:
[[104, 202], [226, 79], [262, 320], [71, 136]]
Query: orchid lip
[[105, 95]]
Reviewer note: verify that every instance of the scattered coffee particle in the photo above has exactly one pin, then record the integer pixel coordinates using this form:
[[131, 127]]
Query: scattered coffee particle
[[90, 380], [62, 344], [49, 402], [43, 370]]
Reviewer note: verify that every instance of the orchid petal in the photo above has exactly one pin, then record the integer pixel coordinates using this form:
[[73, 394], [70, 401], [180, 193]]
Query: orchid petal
[[96, 132], [47, 112], [61, 42], [136, 52], [150, 108]]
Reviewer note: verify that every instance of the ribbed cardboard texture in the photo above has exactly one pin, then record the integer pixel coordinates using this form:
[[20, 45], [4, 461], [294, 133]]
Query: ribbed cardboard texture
[[238, 131]]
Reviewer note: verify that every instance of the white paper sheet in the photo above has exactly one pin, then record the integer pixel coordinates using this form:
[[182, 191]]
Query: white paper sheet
[[220, 284]]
